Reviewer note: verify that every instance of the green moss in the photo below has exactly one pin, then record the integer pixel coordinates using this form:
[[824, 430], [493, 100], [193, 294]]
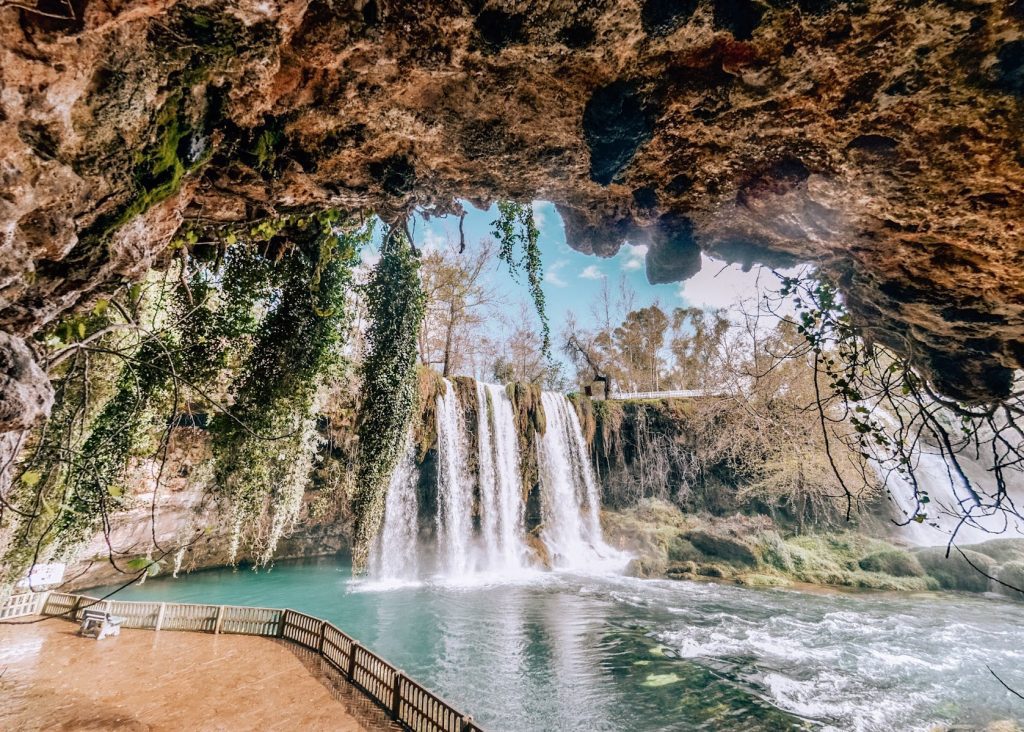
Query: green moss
[[1011, 573], [754, 579], [430, 387], [750, 550], [955, 571], [895, 562], [724, 546], [158, 169], [681, 550], [1002, 550]]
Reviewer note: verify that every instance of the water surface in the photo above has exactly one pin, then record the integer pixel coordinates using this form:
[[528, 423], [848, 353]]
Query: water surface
[[555, 651]]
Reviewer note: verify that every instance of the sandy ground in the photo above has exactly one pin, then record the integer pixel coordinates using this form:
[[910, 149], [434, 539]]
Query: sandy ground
[[52, 679]]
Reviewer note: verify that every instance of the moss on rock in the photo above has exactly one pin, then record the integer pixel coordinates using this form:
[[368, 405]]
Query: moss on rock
[[956, 572], [896, 562]]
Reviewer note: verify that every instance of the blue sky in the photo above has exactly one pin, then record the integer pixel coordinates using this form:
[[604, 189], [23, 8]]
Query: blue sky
[[572, 281]]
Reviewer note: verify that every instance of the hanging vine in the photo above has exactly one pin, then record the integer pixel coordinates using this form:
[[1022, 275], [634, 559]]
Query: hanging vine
[[265, 448], [395, 304], [515, 229]]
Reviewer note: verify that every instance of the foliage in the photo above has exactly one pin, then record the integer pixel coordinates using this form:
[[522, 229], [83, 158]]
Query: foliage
[[96, 478], [264, 447], [452, 337], [395, 303], [896, 414], [515, 229]]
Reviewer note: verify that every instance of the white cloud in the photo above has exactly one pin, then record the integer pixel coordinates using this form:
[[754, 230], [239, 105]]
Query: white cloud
[[633, 256], [540, 216], [592, 272], [551, 275], [432, 240], [721, 285]]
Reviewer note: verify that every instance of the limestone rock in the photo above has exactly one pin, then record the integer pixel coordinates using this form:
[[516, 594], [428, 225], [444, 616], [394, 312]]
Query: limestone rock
[[878, 140]]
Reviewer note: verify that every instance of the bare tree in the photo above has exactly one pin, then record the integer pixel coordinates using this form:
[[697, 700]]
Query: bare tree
[[458, 299]]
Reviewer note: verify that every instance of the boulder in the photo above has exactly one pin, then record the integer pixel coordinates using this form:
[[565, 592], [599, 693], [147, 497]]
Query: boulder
[[895, 562], [956, 572]]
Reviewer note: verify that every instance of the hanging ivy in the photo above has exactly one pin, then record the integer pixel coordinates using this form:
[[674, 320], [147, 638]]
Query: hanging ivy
[[264, 449], [96, 481], [396, 303], [216, 314], [515, 230]]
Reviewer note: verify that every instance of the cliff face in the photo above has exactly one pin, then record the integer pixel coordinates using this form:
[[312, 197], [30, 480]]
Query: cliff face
[[879, 140], [174, 519]]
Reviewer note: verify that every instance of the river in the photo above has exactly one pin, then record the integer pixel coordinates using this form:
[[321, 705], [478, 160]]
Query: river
[[564, 651]]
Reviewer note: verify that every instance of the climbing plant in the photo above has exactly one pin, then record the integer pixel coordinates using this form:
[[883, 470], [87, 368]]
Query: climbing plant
[[265, 446], [108, 371], [395, 305], [517, 236]]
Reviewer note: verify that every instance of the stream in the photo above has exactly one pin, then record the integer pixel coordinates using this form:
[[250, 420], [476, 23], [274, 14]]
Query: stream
[[566, 651]]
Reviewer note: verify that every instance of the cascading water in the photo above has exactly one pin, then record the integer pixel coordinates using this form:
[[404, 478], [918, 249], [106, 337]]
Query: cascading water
[[481, 520], [949, 500], [569, 498], [454, 487], [395, 554], [501, 497]]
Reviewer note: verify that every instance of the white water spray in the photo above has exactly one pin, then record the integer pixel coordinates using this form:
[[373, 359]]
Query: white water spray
[[501, 497], [569, 498], [395, 553], [949, 500], [481, 524], [454, 487]]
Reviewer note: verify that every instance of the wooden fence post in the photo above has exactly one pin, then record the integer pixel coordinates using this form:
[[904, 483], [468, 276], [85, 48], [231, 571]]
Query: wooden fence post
[[280, 623], [74, 607], [352, 661], [220, 620], [396, 693], [320, 642], [160, 616]]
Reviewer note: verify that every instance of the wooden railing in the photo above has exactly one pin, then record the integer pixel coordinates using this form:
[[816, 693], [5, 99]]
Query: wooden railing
[[411, 705]]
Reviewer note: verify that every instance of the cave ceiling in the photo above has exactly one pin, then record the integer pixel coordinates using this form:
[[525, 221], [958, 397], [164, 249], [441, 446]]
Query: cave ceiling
[[878, 140]]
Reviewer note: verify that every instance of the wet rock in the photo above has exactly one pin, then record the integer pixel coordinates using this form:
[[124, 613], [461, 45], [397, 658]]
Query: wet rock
[[895, 562], [723, 546], [660, 17], [1010, 67], [1012, 574], [1002, 550], [499, 29], [673, 254], [25, 392], [739, 17], [390, 106]]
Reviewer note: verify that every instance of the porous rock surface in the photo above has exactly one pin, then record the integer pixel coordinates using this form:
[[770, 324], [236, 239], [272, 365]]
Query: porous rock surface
[[877, 139]]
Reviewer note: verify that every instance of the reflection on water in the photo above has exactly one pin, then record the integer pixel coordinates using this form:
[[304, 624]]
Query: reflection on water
[[567, 652]]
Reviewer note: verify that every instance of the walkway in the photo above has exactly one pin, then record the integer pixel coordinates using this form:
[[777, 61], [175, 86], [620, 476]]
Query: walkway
[[52, 679], [675, 394]]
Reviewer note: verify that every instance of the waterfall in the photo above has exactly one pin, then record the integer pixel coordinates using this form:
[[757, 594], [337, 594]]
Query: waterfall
[[501, 494], [570, 503], [395, 553], [480, 522], [949, 499], [454, 487]]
